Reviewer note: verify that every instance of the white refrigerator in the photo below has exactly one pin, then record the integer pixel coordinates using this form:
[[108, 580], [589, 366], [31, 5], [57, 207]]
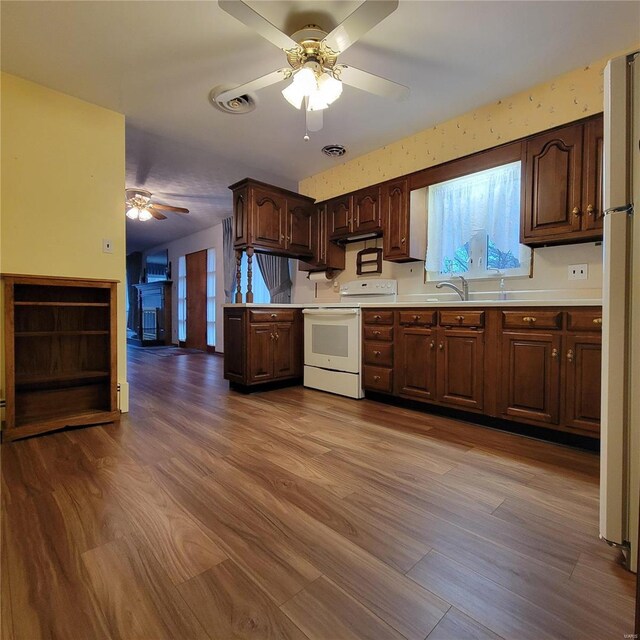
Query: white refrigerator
[[620, 443]]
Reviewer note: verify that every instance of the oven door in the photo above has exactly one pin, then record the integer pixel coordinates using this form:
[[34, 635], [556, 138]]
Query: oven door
[[332, 339]]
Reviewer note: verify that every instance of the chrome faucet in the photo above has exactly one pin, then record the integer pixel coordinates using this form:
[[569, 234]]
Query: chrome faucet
[[463, 293]]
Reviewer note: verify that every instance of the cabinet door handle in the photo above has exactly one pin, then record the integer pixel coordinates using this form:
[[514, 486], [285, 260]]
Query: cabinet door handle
[[529, 319], [570, 355], [590, 209], [376, 378], [432, 344], [554, 353], [403, 240], [460, 318], [376, 354], [289, 239], [273, 337], [576, 212], [441, 346], [597, 321], [282, 236]]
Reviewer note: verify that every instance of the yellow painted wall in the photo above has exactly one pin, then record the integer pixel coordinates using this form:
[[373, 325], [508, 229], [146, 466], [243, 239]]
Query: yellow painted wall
[[568, 97], [62, 187]]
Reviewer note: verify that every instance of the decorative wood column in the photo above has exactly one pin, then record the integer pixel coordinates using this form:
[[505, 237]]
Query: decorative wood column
[[249, 296], [238, 297]]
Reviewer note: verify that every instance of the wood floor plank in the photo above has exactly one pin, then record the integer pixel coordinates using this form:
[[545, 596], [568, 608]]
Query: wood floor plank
[[136, 596], [326, 612], [262, 555], [230, 606], [456, 625], [387, 592], [293, 512]]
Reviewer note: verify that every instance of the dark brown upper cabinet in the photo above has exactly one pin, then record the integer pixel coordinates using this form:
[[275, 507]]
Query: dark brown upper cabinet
[[355, 214], [272, 220], [326, 254], [395, 212], [562, 185]]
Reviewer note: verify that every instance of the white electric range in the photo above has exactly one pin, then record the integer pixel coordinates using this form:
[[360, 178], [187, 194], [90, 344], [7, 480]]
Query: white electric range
[[332, 356]]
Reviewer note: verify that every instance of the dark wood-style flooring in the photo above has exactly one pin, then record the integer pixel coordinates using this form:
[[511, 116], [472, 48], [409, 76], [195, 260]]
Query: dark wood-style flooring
[[298, 514]]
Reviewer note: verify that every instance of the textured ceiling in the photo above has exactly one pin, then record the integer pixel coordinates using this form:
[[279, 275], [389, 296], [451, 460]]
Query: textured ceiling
[[157, 61]]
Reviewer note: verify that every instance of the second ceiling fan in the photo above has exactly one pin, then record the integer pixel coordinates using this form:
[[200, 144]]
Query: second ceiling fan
[[312, 54]]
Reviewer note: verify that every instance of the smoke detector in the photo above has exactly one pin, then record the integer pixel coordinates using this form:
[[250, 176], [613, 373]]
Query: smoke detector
[[239, 105], [334, 150]]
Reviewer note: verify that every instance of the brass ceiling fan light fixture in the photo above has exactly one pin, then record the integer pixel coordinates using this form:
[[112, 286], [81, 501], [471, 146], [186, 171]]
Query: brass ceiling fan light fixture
[[139, 206], [317, 77]]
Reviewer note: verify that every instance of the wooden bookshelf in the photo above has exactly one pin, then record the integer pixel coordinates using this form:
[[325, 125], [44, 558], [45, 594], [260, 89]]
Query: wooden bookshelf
[[60, 353]]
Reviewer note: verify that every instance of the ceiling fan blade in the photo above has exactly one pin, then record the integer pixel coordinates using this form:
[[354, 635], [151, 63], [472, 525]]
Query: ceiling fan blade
[[354, 26], [315, 120], [156, 214], [372, 83], [168, 207], [252, 19], [254, 85]]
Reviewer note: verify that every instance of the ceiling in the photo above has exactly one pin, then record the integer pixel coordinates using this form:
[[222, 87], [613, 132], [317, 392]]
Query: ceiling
[[157, 61]]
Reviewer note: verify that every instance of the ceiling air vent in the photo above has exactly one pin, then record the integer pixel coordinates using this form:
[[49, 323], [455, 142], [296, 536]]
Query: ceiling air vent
[[241, 104], [334, 150]]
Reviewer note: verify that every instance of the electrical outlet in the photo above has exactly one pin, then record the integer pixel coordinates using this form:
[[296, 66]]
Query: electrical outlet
[[578, 271], [107, 246]]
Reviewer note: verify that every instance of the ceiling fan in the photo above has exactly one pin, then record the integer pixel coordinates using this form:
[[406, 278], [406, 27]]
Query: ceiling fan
[[312, 54], [139, 206]]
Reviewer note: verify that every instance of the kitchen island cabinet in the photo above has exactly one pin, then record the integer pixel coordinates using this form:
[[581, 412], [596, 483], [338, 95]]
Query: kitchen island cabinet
[[262, 345]]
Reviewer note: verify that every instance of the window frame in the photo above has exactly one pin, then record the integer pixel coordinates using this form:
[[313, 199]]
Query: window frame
[[460, 167]]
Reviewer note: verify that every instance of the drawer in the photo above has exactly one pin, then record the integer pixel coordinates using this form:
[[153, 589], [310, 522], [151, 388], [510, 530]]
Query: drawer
[[532, 319], [422, 317], [584, 320], [378, 333], [378, 379], [275, 315], [378, 353], [461, 318], [377, 317]]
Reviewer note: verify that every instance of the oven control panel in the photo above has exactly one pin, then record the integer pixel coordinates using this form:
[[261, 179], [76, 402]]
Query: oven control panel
[[369, 286]]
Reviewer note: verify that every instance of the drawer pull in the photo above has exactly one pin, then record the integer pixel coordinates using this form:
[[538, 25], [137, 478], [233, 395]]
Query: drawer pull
[[376, 333], [274, 315], [416, 318], [460, 318], [376, 354], [529, 319], [432, 344], [376, 378], [576, 212], [570, 355], [377, 317], [597, 321], [554, 353]]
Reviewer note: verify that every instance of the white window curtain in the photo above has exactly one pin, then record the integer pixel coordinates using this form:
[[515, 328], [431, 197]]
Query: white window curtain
[[211, 297], [460, 208], [182, 298]]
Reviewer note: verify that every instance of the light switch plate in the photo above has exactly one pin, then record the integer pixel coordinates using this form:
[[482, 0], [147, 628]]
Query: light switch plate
[[107, 246], [578, 271]]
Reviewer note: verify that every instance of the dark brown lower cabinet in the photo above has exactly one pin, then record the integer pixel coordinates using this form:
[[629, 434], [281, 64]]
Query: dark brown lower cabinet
[[461, 368], [416, 362], [539, 366], [262, 345], [582, 361], [530, 383]]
